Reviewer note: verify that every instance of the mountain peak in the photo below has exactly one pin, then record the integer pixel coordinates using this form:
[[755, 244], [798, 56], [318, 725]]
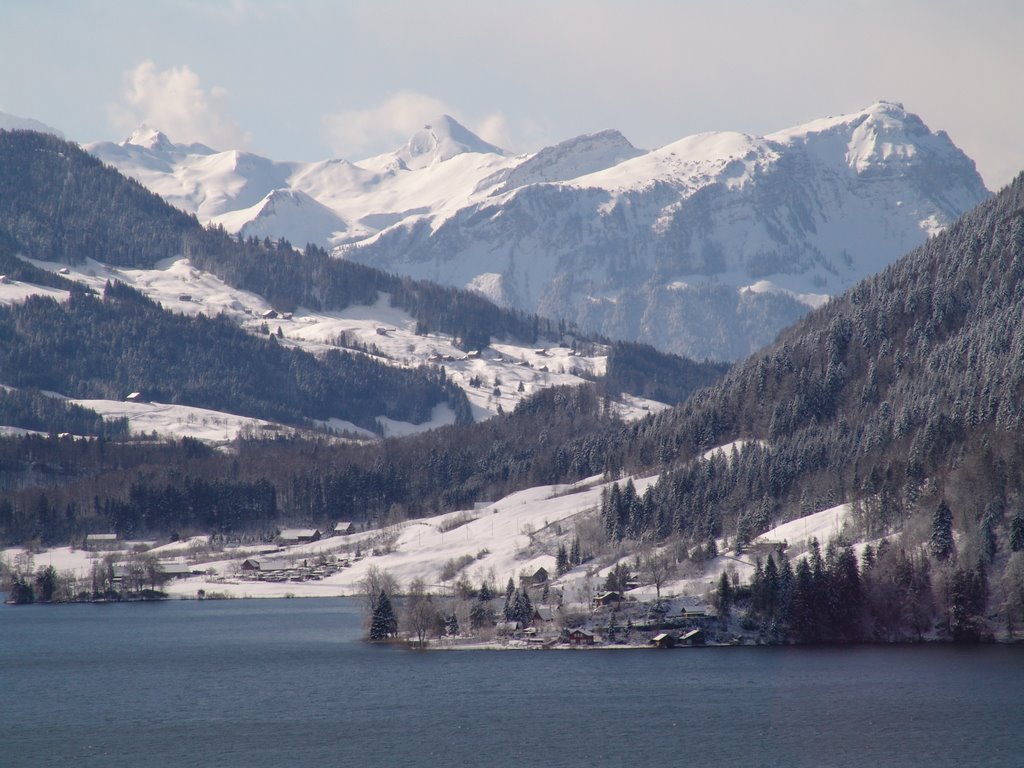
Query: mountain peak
[[442, 139], [882, 136], [148, 138]]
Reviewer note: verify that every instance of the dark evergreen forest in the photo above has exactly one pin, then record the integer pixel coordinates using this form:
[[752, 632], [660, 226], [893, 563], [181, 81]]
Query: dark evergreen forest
[[92, 347]]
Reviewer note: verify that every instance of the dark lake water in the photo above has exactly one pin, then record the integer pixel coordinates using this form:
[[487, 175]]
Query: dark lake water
[[288, 683]]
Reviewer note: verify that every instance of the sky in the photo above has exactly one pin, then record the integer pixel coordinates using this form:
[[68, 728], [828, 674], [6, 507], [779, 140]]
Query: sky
[[312, 79]]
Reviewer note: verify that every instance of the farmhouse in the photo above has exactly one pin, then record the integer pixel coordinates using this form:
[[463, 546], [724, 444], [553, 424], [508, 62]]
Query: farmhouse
[[536, 579], [175, 570], [344, 528], [299, 535]]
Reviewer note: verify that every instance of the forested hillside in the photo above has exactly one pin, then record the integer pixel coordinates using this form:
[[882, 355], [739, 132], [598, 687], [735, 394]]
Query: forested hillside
[[106, 348], [904, 392], [55, 202], [59, 490]]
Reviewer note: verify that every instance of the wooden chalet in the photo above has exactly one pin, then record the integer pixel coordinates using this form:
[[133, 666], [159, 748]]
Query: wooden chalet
[[344, 528], [543, 614], [607, 598], [581, 636], [536, 579]]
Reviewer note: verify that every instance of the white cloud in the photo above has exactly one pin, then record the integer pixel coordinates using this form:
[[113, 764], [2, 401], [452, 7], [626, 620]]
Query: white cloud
[[387, 125], [175, 102], [495, 129]]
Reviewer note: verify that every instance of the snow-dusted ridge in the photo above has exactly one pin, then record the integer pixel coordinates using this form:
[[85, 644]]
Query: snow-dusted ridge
[[494, 379], [706, 246]]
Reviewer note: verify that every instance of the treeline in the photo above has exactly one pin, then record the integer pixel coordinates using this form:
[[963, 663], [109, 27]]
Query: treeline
[[30, 409], [647, 372], [106, 348], [22, 271], [890, 594], [59, 490]]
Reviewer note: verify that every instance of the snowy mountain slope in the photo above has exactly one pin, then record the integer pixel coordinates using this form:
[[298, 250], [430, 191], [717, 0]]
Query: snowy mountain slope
[[706, 246], [437, 170], [288, 213], [571, 159], [10, 122]]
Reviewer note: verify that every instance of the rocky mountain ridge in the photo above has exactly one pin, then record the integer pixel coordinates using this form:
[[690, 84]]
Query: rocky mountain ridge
[[707, 246]]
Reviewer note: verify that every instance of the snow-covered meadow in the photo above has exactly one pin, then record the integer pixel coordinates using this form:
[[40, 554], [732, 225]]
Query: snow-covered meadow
[[509, 538]]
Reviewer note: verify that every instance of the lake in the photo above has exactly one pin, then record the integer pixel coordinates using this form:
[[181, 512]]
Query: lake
[[288, 683]]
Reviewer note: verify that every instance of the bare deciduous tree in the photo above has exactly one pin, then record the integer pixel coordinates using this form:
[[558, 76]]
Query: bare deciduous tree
[[656, 568], [420, 613]]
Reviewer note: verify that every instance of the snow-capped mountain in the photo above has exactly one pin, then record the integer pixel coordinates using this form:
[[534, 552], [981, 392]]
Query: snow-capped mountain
[[707, 246]]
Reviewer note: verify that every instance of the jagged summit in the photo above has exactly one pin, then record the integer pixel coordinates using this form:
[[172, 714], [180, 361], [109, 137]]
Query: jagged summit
[[442, 139], [148, 138], [153, 140], [707, 245], [883, 134]]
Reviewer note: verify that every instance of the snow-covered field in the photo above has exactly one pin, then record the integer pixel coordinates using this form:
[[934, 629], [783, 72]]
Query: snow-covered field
[[509, 538]]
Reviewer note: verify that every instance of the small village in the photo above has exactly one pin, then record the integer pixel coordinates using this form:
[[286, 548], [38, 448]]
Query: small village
[[523, 572], [535, 613]]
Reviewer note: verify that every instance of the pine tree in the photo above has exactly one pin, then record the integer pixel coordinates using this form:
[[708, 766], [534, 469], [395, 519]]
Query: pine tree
[[480, 615], [510, 592], [1017, 532], [723, 597], [451, 625], [485, 595], [562, 560], [942, 532], [574, 554], [384, 623]]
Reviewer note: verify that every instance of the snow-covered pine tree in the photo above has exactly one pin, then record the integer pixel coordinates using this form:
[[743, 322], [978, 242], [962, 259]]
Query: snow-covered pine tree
[[383, 623]]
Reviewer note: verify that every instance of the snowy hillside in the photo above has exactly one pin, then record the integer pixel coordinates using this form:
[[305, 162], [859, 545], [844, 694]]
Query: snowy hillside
[[706, 246], [506, 539], [495, 379]]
